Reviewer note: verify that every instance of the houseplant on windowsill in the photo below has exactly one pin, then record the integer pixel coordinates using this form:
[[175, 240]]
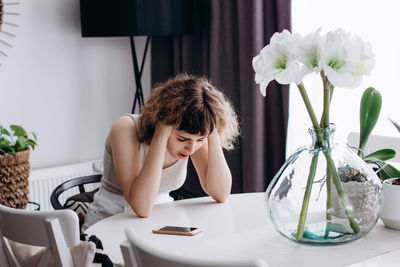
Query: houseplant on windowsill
[[15, 145], [307, 200]]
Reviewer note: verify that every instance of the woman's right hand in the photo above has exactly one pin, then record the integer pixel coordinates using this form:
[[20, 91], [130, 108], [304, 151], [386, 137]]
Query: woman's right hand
[[163, 131]]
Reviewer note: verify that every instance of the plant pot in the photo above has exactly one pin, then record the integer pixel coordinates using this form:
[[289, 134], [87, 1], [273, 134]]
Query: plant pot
[[14, 174], [390, 212], [326, 217], [363, 198]]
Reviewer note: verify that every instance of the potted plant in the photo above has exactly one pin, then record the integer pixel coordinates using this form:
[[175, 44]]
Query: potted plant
[[390, 212], [356, 191], [370, 108], [15, 145]]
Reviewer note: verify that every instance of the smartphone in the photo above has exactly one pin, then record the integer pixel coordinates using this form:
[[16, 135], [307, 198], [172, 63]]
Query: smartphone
[[177, 230]]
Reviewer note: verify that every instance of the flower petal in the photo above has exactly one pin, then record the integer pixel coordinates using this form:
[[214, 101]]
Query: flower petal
[[346, 59], [278, 61]]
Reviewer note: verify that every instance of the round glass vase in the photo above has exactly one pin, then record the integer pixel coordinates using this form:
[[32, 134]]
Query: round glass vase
[[303, 200]]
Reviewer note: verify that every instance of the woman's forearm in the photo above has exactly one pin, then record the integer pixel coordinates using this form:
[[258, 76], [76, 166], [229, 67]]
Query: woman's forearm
[[144, 190], [218, 176]]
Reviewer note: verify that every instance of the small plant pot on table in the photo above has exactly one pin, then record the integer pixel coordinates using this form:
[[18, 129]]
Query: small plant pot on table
[[390, 212]]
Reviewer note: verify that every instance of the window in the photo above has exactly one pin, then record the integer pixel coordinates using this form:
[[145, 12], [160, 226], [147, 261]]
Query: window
[[374, 21]]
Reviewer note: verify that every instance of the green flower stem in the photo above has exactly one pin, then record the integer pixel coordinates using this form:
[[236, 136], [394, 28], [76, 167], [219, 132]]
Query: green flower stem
[[331, 88], [309, 108], [313, 166], [329, 194], [306, 198], [328, 91], [331, 167], [339, 189], [327, 100]]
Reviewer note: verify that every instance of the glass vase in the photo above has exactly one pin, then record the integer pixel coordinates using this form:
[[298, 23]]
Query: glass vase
[[303, 200]]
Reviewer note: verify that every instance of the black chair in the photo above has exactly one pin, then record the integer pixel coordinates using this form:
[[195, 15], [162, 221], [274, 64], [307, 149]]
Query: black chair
[[76, 182], [191, 188], [78, 202], [182, 193]]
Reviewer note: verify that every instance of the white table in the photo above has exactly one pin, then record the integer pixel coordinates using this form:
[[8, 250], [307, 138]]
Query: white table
[[240, 228]]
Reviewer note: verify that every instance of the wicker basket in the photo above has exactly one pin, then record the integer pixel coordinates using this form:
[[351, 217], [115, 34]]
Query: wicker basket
[[14, 173]]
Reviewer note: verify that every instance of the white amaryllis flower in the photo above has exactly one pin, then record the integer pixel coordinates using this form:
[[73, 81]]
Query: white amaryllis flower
[[308, 52], [278, 61], [345, 58]]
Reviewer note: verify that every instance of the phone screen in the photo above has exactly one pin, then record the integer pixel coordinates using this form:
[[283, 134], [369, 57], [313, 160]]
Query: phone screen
[[177, 229]]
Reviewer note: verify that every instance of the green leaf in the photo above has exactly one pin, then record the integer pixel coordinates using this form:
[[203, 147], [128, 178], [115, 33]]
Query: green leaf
[[4, 143], [383, 154], [19, 131], [4, 131], [395, 124], [34, 136], [370, 108], [375, 161], [388, 171], [11, 151], [32, 144], [21, 144]]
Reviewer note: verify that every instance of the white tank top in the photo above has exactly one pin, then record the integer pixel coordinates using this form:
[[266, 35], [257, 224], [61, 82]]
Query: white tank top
[[172, 177]]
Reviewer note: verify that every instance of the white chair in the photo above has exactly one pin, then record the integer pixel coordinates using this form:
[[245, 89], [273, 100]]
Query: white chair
[[137, 253], [56, 231], [376, 142]]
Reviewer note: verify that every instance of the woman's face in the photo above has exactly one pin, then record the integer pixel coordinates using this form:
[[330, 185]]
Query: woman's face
[[182, 144]]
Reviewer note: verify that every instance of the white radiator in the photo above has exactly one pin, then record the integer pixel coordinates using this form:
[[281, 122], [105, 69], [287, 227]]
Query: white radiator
[[43, 181]]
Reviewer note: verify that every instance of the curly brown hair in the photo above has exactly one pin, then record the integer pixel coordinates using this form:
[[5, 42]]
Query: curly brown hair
[[189, 103]]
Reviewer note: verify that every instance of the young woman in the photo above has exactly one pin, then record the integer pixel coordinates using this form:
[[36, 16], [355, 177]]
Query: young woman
[[146, 155]]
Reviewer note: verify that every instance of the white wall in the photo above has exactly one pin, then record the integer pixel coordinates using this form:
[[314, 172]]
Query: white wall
[[66, 88]]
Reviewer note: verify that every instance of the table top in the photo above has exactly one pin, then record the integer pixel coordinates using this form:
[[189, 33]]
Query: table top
[[240, 228]]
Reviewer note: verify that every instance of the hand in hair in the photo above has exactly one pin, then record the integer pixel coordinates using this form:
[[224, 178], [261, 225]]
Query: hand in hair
[[163, 131]]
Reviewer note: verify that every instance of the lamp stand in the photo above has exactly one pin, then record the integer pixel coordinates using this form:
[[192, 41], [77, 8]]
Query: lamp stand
[[138, 73]]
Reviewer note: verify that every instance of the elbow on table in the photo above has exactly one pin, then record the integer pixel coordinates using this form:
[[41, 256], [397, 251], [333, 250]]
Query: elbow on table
[[221, 199], [220, 196], [142, 211], [143, 215]]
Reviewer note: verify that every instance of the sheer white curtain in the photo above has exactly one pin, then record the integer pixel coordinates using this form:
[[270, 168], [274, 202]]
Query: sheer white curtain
[[374, 21]]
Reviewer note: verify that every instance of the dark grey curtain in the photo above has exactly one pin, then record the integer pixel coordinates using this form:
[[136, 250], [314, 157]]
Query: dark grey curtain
[[228, 34]]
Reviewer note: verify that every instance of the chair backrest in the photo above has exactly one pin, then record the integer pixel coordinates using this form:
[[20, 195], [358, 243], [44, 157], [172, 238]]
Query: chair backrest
[[54, 230], [137, 253], [376, 142], [76, 182]]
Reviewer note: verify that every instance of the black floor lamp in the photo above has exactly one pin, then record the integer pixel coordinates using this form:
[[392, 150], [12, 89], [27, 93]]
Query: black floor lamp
[[101, 18]]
